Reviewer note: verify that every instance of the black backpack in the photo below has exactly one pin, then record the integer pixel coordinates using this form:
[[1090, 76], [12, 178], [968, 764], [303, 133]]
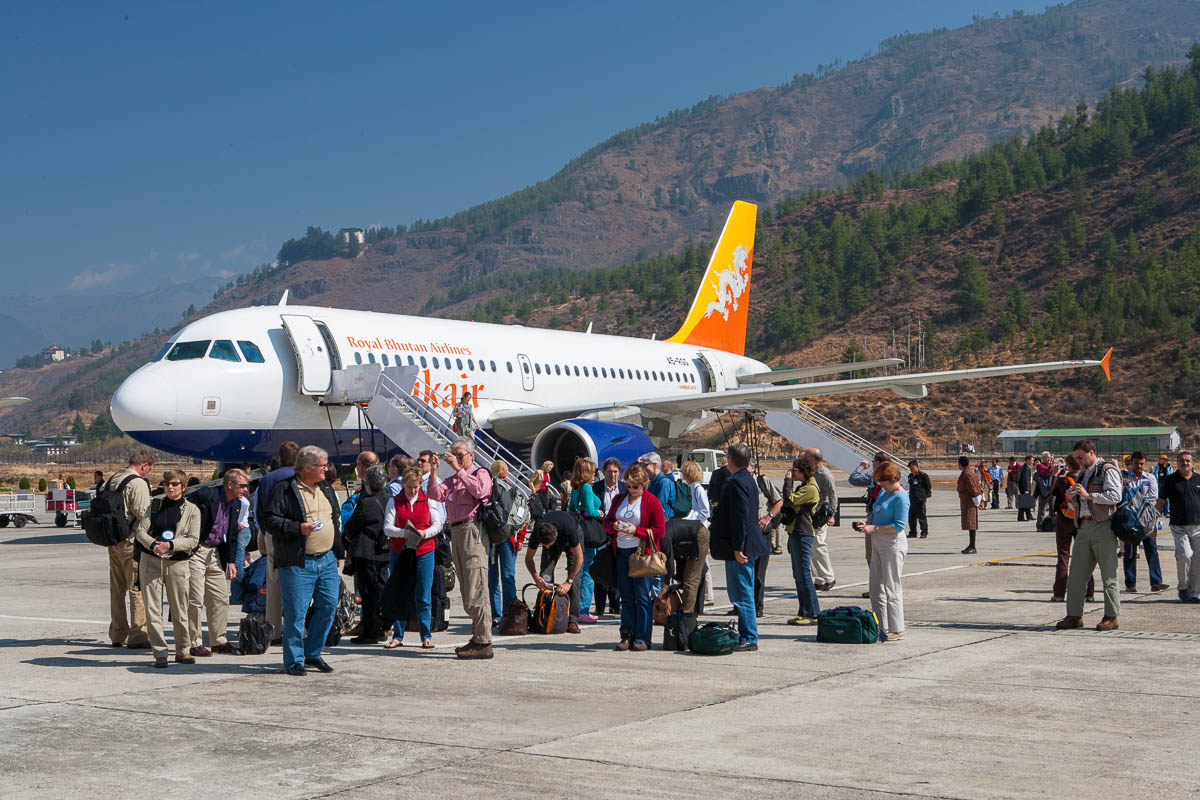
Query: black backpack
[[105, 522], [255, 634]]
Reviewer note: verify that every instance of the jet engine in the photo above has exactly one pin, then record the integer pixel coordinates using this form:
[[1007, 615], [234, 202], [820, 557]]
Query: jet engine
[[565, 441]]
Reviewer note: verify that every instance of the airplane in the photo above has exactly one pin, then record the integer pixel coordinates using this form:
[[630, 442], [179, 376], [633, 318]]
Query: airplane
[[9, 402], [234, 385]]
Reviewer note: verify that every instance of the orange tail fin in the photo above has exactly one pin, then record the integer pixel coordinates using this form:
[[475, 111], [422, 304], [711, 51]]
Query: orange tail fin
[[717, 318]]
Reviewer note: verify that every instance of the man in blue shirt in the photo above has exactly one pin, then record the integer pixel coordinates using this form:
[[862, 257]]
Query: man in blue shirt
[[662, 485], [996, 473]]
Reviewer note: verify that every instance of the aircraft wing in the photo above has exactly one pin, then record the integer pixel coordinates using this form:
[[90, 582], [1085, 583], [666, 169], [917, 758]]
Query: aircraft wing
[[516, 423], [781, 375], [6, 402]]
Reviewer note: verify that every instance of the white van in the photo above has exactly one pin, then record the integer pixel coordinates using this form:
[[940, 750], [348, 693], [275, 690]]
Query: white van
[[709, 461]]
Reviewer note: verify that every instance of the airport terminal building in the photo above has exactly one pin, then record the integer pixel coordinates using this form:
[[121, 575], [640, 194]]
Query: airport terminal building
[[1150, 440]]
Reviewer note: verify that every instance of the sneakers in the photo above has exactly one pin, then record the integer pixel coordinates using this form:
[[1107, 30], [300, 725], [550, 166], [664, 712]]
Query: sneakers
[[474, 650], [894, 637], [1058, 598], [799, 620], [587, 619], [746, 647], [1068, 622], [968, 551], [1107, 624], [201, 651]]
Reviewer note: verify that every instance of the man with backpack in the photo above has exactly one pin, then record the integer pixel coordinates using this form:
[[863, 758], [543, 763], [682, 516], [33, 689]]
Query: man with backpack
[[127, 493], [558, 533], [1098, 492], [464, 494], [1146, 483], [822, 564]]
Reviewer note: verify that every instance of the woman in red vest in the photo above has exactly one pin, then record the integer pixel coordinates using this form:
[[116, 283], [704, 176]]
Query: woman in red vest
[[412, 521]]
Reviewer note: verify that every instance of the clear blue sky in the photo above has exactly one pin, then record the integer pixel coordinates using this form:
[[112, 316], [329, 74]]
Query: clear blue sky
[[144, 140]]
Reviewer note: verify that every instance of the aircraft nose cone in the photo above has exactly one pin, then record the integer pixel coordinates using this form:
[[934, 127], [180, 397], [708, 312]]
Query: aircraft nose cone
[[144, 402]]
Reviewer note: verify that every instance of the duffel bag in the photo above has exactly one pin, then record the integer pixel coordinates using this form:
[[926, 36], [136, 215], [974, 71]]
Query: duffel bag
[[515, 621], [677, 629], [1026, 502], [847, 625], [670, 602], [714, 639], [550, 612]]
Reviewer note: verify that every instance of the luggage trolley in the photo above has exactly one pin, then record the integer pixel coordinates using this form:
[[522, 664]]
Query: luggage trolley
[[17, 509], [67, 504]]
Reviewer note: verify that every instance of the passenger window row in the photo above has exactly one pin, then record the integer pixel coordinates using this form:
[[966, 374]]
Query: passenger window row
[[546, 369]]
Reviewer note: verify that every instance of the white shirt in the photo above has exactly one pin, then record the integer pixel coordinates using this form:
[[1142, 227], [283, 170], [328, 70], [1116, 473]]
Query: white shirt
[[701, 510], [631, 513], [1148, 484], [244, 514], [609, 494], [437, 518]]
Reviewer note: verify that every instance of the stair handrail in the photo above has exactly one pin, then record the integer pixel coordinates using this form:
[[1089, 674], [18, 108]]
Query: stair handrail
[[442, 422], [840, 433]]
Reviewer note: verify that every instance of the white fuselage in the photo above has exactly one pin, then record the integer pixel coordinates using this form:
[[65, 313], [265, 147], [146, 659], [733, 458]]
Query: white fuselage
[[191, 401]]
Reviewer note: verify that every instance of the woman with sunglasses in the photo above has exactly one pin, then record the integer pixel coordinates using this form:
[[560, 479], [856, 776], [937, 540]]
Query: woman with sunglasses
[[635, 519], [164, 540]]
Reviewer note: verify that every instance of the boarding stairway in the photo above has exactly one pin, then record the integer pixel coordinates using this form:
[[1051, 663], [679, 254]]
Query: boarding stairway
[[809, 428], [410, 413]]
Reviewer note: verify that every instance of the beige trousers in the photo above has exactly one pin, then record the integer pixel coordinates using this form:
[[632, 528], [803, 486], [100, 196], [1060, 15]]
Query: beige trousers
[[208, 590], [176, 575], [822, 564], [266, 546], [122, 580], [693, 570], [1095, 545], [471, 566], [887, 595]]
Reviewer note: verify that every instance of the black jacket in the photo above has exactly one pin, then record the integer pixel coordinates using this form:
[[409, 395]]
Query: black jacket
[[209, 500], [1025, 479], [364, 529], [598, 488], [735, 522], [283, 515], [919, 486], [716, 485]]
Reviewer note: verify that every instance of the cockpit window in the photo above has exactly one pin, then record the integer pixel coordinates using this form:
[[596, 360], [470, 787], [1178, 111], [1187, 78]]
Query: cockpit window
[[251, 352], [184, 351], [163, 351], [222, 350]]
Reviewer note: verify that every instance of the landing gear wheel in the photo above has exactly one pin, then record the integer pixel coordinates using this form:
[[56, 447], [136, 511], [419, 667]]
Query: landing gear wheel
[[60, 520], [20, 522]]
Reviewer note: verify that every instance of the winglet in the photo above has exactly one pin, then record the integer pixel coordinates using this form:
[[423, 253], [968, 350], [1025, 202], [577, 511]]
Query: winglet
[[1104, 363], [283, 300], [717, 318]]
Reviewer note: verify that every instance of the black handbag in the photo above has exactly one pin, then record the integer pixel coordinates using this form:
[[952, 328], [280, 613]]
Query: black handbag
[[592, 530], [604, 567]]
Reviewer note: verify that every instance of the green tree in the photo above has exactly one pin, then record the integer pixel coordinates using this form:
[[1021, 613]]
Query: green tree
[[1017, 303], [24, 483], [1076, 233], [973, 288], [41, 485], [78, 428]]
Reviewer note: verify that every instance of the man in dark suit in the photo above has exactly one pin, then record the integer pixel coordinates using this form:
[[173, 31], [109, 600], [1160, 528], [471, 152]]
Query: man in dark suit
[[1025, 487], [737, 540], [608, 487], [920, 488]]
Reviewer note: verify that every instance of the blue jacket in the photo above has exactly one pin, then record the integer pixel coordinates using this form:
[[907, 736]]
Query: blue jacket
[[265, 485], [734, 525], [662, 486]]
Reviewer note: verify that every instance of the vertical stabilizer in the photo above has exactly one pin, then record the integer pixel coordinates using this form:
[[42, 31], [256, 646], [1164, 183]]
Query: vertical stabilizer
[[717, 318]]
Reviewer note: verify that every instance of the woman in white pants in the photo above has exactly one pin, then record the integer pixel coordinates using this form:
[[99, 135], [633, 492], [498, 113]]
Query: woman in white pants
[[889, 517]]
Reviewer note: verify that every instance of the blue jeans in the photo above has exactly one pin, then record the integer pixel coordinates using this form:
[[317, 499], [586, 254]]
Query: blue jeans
[[422, 596], [800, 548], [236, 590], [316, 582], [587, 586], [1130, 559], [502, 577], [739, 585], [637, 601]]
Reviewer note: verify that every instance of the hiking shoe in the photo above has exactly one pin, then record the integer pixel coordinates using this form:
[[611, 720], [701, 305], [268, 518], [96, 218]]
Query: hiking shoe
[[572, 627], [622, 646], [1107, 624], [160, 662], [638, 647], [1183, 595], [1158, 587], [475, 651], [1068, 622]]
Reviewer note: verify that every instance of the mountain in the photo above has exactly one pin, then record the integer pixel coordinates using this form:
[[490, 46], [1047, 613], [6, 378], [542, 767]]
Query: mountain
[[924, 98], [659, 187]]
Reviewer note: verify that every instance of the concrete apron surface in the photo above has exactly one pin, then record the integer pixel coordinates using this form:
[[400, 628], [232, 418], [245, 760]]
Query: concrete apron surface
[[980, 699]]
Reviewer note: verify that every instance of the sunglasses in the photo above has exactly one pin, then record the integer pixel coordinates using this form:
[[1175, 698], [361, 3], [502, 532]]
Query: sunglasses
[[243, 486], [174, 483]]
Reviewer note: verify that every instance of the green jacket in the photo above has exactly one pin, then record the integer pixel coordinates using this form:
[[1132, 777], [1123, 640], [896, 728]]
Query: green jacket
[[804, 499]]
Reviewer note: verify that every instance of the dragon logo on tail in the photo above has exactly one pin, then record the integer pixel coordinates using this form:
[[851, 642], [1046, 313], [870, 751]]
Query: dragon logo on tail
[[730, 285]]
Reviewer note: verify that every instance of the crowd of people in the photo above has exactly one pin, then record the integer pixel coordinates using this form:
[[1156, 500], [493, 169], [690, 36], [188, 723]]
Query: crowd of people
[[406, 533]]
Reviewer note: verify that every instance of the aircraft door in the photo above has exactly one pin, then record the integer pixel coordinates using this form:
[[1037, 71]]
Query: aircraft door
[[313, 359], [526, 367], [712, 377]]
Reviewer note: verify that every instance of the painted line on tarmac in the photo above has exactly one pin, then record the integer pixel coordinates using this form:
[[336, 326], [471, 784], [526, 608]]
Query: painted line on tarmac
[[56, 619], [1013, 558]]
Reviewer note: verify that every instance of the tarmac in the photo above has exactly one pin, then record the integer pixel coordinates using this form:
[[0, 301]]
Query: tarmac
[[981, 699]]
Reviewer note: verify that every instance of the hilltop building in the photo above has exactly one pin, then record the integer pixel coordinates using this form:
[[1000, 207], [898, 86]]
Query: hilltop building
[[54, 353], [1150, 440], [352, 236]]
